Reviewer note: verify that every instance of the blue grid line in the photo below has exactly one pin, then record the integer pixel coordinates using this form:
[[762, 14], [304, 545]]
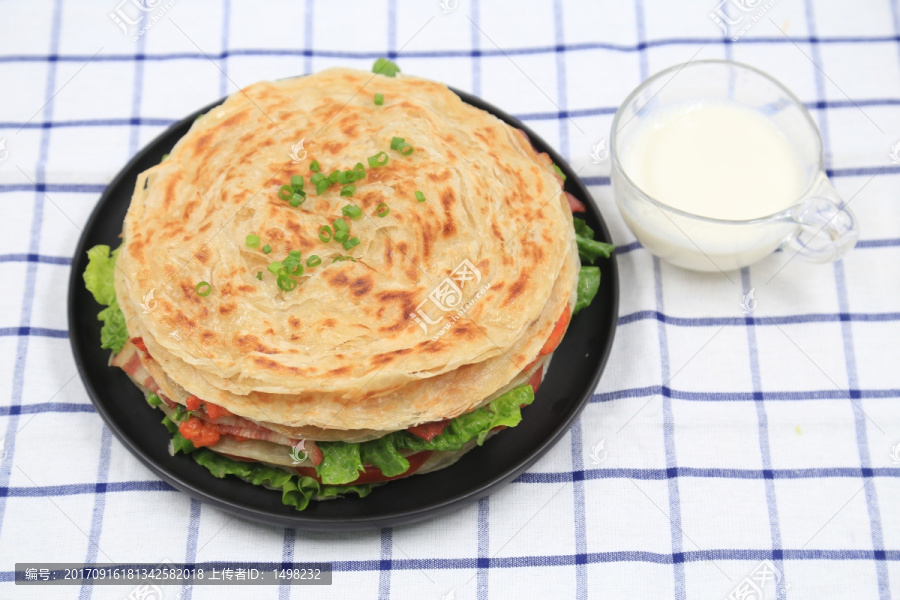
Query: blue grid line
[[76, 489], [644, 315], [287, 558], [588, 180], [765, 450], [862, 437], [474, 9], [668, 421], [484, 548], [385, 563], [387, 533], [702, 473], [22, 332], [578, 503], [784, 395], [18, 383], [567, 560], [223, 62], [489, 53], [190, 551], [38, 258], [547, 477], [74, 188], [847, 334], [99, 506], [483, 530], [106, 437], [534, 116], [48, 407]]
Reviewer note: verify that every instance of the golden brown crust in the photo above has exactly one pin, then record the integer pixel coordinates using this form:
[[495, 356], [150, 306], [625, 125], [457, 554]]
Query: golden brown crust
[[344, 350]]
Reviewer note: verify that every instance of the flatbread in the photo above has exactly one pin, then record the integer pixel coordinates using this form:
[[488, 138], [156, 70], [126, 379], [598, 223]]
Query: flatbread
[[345, 350]]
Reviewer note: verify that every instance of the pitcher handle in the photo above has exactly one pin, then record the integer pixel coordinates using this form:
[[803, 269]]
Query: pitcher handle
[[826, 228]]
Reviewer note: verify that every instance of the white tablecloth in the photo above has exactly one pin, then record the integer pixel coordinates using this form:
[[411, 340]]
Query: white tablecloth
[[721, 445]]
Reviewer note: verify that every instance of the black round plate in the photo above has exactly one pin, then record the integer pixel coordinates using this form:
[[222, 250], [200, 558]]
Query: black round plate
[[567, 387]]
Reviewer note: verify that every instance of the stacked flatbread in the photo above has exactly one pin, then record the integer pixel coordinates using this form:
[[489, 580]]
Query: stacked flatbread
[[443, 306]]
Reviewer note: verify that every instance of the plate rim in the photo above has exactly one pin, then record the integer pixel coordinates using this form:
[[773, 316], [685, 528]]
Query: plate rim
[[301, 520]]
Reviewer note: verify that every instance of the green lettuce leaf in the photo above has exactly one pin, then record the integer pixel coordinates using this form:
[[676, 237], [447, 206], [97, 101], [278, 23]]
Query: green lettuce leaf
[[98, 276], [330, 491], [383, 454], [589, 250], [113, 334], [582, 228], [588, 284], [503, 410], [98, 279], [341, 462], [170, 425], [296, 491], [181, 444]]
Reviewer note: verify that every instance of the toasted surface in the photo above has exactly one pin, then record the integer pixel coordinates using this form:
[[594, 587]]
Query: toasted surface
[[343, 350]]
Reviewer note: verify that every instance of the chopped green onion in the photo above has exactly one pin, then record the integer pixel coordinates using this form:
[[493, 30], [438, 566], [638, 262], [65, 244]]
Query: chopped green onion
[[397, 142], [379, 99], [352, 211], [360, 171], [298, 198], [259, 275], [349, 176], [333, 176], [385, 67], [292, 263], [354, 241], [314, 166], [420, 196], [252, 241], [267, 248], [313, 261], [379, 160], [153, 399], [166, 155], [285, 192], [406, 149], [341, 236], [297, 182], [275, 267], [325, 234], [340, 258], [203, 288], [559, 172], [179, 413], [348, 190], [295, 269], [321, 182], [382, 210], [286, 283], [341, 225]]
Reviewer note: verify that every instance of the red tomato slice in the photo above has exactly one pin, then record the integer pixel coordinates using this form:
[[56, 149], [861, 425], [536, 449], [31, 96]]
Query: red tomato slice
[[193, 402], [428, 431], [373, 475], [575, 204], [139, 344], [214, 411], [199, 432], [556, 335]]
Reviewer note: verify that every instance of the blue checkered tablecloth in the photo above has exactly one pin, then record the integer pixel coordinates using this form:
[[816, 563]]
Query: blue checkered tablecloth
[[724, 447]]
